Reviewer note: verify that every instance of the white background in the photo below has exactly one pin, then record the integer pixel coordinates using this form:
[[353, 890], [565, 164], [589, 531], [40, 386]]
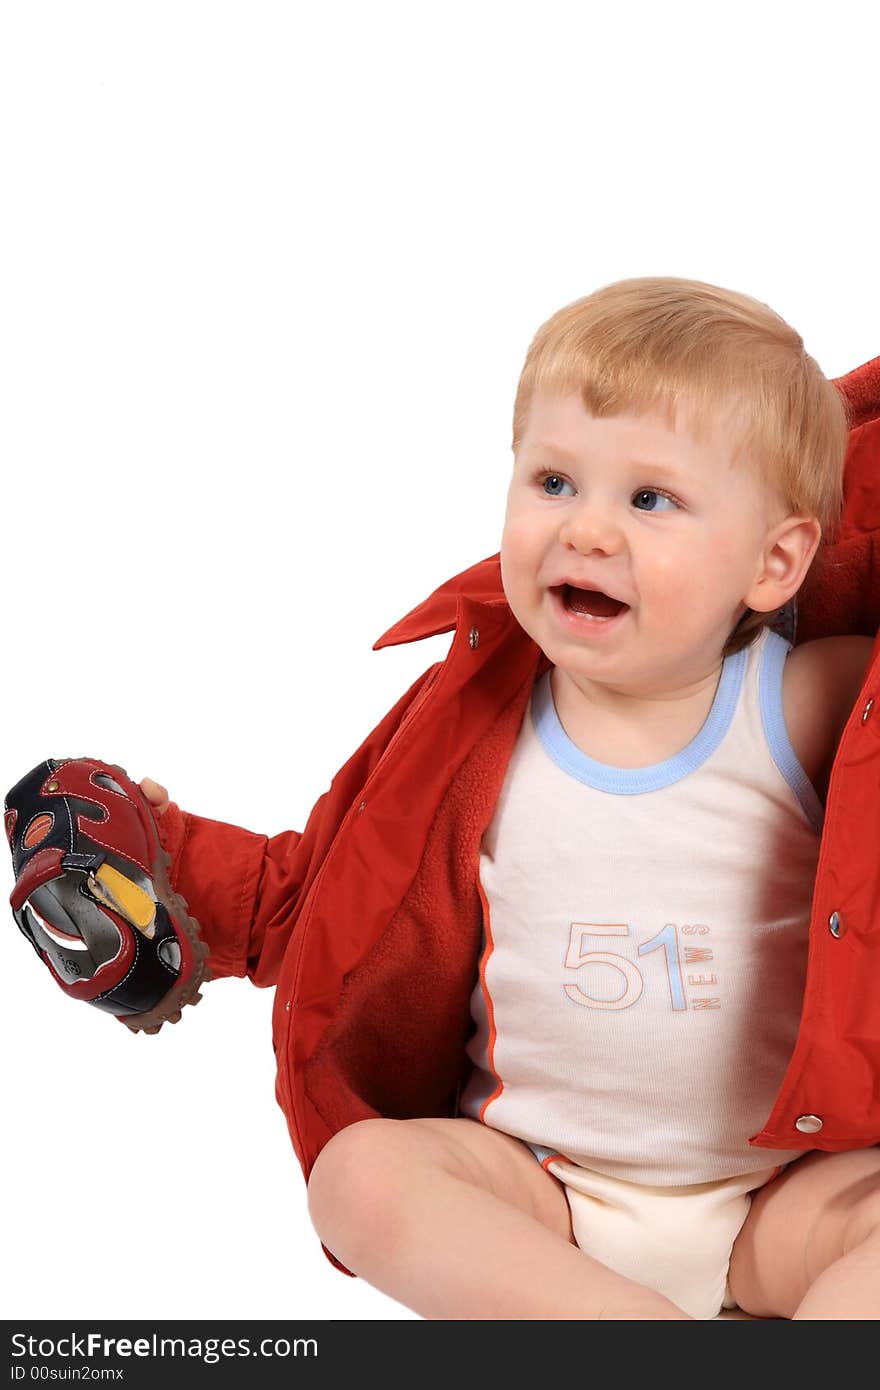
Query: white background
[[269, 272]]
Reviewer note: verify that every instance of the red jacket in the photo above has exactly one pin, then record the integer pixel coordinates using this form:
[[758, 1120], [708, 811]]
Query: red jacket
[[369, 922]]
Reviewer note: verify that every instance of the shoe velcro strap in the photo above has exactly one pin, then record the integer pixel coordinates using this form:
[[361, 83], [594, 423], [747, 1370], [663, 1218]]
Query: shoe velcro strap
[[87, 863]]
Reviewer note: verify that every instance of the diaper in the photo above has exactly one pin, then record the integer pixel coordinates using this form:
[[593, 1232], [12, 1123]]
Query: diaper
[[677, 1240]]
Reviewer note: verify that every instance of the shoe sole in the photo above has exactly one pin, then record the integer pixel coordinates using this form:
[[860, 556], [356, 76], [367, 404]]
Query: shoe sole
[[172, 1004]]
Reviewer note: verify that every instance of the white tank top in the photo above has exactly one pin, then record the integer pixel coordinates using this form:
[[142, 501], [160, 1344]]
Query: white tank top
[[645, 939]]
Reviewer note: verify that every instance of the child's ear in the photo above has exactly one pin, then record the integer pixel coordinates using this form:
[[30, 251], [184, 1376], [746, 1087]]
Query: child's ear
[[788, 554]]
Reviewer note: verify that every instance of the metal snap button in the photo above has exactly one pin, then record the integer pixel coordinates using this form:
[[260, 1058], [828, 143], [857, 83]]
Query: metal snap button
[[835, 925], [362, 807], [51, 786], [867, 709], [809, 1124], [474, 638]]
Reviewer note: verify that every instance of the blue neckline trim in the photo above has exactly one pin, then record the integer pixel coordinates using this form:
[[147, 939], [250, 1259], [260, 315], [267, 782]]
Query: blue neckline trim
[[773, 718], [629, 781]]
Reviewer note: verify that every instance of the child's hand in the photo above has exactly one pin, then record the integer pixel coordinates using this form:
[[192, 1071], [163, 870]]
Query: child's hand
[[156, 794]]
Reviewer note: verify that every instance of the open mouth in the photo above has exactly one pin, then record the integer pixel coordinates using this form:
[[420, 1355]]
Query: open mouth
[[591, 604]]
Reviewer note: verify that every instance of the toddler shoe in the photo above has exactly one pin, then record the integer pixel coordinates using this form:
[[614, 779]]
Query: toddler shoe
[[92, 893]]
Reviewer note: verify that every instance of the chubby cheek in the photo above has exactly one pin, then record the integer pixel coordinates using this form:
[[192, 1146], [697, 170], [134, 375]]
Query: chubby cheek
[[520, 558], [520, 562], [684, 593], [677, 572], [666, 583]]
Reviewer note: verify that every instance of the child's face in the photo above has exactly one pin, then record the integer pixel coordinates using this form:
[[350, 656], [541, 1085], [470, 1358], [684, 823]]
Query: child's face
[[585, 506]]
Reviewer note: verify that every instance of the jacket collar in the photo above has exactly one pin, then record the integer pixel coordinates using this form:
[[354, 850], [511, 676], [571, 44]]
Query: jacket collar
[[480, 584], [860, 389]]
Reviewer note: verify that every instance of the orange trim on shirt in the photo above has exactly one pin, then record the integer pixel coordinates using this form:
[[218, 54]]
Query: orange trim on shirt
[[552, 1158], [490, 1008]]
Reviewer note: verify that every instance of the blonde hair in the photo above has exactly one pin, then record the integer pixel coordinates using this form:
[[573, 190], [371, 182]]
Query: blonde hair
[[657, 343]]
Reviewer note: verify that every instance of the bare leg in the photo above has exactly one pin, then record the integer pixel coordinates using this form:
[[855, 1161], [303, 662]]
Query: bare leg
[[810, 1246], [848, 1290], [456, 1220]]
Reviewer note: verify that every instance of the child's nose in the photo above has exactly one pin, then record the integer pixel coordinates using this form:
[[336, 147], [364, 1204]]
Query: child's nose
[[591, 526]]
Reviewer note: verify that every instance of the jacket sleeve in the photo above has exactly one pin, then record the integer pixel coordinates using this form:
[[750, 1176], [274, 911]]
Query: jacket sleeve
[[234, 883], [246, 890]]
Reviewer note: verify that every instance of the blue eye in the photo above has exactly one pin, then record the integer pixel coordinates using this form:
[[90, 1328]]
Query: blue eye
[[654, 492], [552, 485], [554, 478]]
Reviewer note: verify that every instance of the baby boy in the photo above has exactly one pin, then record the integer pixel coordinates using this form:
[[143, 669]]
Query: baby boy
[[541, 950]]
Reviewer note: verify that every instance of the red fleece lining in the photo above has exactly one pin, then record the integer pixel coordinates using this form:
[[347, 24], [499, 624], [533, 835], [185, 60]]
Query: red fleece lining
[[421, 970], [841, 593]]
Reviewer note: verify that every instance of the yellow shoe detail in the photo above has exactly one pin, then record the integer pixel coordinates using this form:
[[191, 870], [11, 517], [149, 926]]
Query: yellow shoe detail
[[126, 898]]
